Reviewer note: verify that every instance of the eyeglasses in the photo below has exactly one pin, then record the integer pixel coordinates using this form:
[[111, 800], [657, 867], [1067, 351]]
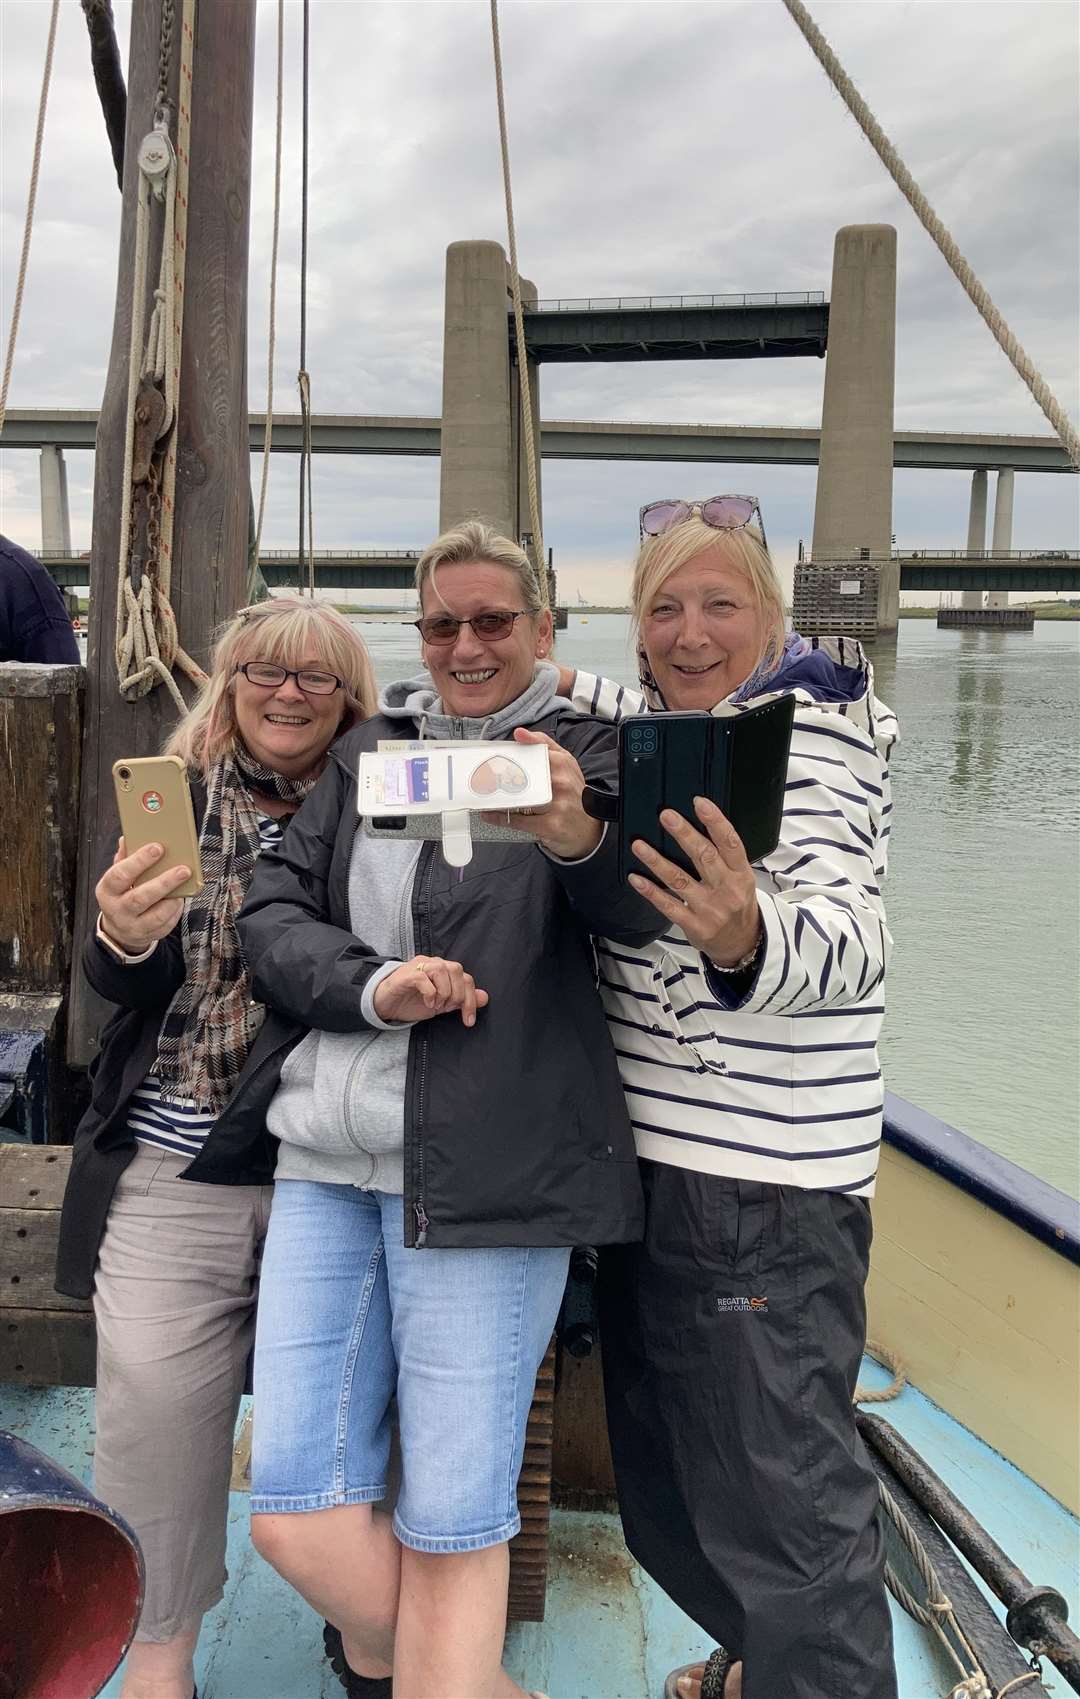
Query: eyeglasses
[[723, 513], [442, 629], [268, 676]]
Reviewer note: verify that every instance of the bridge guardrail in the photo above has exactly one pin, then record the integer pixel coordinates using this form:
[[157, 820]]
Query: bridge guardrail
[[672, 303], [986, 554], [58, 555], [343, 554]]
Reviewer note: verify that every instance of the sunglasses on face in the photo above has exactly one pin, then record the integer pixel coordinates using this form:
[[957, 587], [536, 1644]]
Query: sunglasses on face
[[268, 676], [442, 629], [723, 513]]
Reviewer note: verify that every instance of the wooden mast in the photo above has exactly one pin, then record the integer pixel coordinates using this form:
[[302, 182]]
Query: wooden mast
[[210, 536]]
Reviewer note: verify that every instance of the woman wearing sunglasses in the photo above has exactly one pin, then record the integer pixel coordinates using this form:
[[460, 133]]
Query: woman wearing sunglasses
[[180, 1087], [746, 1042], [452, 1125]]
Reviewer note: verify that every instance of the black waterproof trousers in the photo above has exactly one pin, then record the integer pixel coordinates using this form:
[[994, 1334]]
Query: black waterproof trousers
[[732, 1338]]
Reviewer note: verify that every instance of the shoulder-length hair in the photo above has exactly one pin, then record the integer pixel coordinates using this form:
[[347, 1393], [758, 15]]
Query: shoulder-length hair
[[292, 631], [744, 549]]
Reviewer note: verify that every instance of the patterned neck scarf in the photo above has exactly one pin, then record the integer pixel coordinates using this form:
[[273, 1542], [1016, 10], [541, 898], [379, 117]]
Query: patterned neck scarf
[[762, 676], [211, 1023]]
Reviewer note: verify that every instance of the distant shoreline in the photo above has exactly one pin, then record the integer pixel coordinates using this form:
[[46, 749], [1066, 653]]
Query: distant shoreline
[[1042, 610]]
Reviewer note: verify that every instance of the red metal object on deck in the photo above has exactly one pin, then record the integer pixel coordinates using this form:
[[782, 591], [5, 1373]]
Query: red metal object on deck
[[71, 1581]]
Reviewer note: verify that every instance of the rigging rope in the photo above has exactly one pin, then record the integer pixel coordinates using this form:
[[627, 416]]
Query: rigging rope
[[524, 387], [24, 257], [146, 644], [937, 1613], [303, 377], [905, 182], [268, 433]]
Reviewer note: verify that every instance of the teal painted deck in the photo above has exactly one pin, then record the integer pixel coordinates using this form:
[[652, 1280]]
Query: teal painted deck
[[609, 1633]]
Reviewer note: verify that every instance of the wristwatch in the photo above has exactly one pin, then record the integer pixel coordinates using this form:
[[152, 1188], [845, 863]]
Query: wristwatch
[[118, 950]]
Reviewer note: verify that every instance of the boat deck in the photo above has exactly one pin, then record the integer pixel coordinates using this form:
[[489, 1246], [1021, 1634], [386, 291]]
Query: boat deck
[[609, 1633]]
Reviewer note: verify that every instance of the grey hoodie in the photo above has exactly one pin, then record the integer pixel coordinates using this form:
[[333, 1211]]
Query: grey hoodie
[[339, 1110]]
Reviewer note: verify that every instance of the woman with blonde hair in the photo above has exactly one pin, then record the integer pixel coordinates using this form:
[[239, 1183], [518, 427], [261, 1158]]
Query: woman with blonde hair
[[186, 1068], [746, 1038]]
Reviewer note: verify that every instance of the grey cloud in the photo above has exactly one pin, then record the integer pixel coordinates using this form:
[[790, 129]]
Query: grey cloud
[[655, 148]]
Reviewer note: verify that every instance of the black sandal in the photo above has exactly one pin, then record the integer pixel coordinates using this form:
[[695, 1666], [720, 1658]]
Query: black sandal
[[712, 1681], [356, 1686]]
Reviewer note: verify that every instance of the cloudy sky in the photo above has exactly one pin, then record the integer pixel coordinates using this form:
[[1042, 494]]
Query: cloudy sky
[[657, 146]]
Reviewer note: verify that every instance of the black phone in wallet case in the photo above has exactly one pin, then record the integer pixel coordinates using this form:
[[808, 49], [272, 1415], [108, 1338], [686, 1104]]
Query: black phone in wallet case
[[739, 761]]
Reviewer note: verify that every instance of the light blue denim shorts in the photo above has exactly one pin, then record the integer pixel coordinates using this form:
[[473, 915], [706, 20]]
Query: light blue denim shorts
[[348, 1318]]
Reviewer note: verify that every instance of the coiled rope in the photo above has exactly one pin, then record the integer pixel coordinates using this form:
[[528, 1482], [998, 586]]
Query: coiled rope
[[519, 322], [28, 226], [889, 1360], [928, 218]]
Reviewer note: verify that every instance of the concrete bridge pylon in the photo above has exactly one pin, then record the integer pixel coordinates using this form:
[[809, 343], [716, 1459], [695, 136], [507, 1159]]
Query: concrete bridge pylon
[[483, 471], [55, 512], [1002, 536], [976, 537], [853, 510]]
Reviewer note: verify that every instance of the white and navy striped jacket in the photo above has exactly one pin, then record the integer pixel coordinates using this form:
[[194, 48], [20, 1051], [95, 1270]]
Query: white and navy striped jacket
[[783, 1086]]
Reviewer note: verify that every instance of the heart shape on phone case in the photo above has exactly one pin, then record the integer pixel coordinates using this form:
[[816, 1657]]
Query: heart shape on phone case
[[498, 773]]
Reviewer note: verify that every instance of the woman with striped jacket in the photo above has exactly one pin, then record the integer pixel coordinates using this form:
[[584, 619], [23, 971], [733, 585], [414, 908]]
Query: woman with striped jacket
[[746, 1038]]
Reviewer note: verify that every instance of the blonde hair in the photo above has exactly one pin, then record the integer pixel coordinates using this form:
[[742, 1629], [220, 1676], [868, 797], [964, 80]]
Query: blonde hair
[[290, 630], [744, 549], [475, 541]]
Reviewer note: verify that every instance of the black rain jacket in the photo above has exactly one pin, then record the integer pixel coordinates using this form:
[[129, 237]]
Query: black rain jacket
[[516, 1130], [238, 1151]]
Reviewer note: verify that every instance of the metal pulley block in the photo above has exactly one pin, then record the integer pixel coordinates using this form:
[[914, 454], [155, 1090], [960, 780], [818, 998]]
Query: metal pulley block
[[150, 414], [155, 158]]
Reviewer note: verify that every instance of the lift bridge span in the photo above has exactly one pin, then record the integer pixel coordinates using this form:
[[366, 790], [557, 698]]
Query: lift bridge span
[[1025, 570]]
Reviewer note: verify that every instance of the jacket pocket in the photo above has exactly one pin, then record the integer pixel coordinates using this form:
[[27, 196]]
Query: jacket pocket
[[679, 996], [308, 1110], [734, 1215]]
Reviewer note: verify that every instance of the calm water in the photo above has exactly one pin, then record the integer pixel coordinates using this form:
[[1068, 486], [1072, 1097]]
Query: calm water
[[984, 886]]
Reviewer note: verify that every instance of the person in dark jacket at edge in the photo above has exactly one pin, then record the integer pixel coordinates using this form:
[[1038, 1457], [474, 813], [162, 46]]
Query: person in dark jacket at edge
[[180, 1084], [450, 1128], [34, 623]]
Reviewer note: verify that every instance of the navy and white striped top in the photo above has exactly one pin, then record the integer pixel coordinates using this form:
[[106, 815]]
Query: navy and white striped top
[[783, 1085], [180, 1127]]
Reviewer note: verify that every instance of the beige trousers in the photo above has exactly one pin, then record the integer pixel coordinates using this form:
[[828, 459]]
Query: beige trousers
[[174, 1301]]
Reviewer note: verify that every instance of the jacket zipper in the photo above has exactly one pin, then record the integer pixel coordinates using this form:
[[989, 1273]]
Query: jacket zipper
[[420, 935]]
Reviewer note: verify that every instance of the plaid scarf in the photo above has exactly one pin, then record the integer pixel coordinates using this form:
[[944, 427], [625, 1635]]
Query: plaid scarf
[[211, 1023]]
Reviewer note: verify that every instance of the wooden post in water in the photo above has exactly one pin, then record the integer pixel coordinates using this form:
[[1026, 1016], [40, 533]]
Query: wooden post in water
[[212, 482]]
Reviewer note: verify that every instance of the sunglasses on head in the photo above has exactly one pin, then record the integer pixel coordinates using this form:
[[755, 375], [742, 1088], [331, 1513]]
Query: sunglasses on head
[[723, 513]]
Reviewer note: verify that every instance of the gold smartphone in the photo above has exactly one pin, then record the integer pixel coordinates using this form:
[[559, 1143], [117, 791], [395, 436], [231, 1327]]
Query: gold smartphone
[[154, 802]]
